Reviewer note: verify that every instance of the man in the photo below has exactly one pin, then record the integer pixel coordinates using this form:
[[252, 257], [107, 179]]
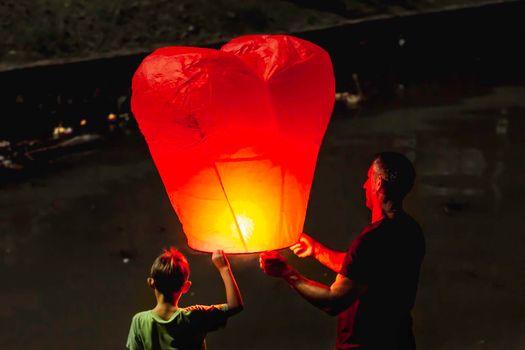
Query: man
[[377, 277]]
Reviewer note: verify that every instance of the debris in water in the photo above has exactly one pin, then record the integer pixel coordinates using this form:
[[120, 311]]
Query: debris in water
[[452, 207], [60, 131], [126, 256], [351, 100], [502, 126]]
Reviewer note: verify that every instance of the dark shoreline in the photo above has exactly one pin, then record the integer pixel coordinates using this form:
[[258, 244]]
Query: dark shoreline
[[387, 54]]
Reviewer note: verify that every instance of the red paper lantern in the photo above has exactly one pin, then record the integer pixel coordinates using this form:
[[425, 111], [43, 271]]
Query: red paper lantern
[[235, 134]]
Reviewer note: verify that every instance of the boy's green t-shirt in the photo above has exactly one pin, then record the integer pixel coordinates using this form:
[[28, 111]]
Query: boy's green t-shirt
[[185, 330]]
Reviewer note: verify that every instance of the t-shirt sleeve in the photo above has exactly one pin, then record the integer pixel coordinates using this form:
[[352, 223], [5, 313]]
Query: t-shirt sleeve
[[134, 342], [209, 318], [359, 262]]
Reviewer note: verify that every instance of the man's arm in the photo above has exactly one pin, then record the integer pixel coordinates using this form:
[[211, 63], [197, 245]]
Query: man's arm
[[233, 294], [333, 299], [307, 246]]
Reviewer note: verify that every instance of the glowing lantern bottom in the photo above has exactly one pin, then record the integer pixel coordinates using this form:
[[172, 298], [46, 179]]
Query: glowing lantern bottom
[[241, 206]]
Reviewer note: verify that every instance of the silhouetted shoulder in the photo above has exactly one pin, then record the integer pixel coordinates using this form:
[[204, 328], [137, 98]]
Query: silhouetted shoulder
[[207, 317], [206, 308], [414, 230]]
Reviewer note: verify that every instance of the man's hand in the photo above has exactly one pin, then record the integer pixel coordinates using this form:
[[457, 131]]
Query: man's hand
[[275, 265], [219, 260], [305, 247]]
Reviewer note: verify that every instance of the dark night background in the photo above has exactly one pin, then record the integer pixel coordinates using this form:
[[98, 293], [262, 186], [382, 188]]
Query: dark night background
[[83, 211]]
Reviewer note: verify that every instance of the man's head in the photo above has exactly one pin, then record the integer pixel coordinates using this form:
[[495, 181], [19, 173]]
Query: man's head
[[170, 273], [390, 176]]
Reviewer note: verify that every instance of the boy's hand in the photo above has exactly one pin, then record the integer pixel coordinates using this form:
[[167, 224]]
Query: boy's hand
[[219, 260], [304, 246], [274, 264]]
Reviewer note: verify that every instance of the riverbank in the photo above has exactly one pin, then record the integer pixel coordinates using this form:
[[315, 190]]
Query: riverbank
[[44, 32]]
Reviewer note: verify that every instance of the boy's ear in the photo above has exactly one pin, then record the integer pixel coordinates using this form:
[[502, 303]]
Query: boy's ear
[[151, 282], [185, 287]]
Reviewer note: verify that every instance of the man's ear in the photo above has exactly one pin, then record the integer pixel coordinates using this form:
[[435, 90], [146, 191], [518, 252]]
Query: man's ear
[[185, 287], [151, 282], [380, 184]]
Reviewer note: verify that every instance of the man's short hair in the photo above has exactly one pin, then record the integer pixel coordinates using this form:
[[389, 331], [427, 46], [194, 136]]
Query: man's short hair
[[397, 172], [170, 270]]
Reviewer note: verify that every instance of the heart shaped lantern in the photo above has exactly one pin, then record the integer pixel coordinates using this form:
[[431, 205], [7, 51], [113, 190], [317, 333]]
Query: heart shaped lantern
[[234, 134]]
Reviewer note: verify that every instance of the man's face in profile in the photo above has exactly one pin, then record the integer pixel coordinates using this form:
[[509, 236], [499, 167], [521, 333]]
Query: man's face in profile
[[370, 185]]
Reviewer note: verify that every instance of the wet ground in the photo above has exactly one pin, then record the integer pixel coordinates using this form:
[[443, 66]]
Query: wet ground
[[78, 233], [77, 240]]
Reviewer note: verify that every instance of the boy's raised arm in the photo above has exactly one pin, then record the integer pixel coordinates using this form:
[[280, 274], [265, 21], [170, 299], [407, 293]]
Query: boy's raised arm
[[233, 294]]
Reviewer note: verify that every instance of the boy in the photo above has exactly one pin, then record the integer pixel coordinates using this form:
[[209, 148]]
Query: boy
[[169, 326]]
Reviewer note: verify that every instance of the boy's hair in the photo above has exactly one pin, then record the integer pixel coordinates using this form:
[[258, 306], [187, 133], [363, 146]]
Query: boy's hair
[[170, 270]]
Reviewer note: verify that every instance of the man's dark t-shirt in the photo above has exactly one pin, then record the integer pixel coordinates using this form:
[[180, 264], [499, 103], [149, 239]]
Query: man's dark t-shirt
[[386, 256]]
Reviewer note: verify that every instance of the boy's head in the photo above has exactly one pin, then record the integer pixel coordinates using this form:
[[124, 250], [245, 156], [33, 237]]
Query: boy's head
[[170, 272]]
